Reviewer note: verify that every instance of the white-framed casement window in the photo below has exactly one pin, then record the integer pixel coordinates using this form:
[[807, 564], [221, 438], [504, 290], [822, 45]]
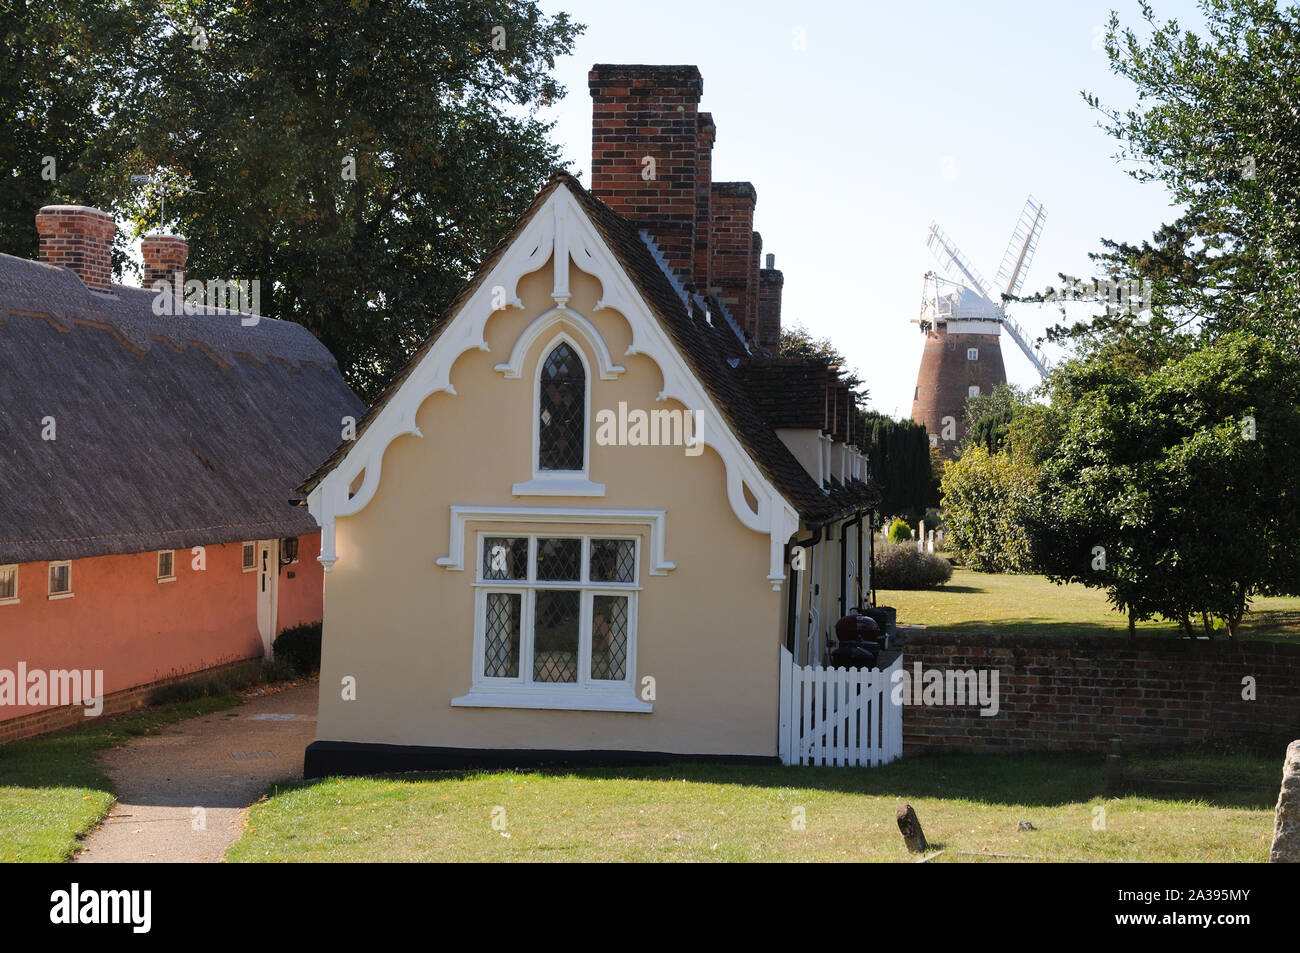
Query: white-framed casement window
[[973, 390], [8, 584], [60, 580], [972, 354], [166, 565], [555, 622], [561, 425], [250, 557]]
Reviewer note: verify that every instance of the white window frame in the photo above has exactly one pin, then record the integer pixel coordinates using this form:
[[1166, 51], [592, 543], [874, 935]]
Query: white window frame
[[972, 354], [158, 566], [248, 547], [561, 482], [972, 391], [10, 600], [68, 594], [586, 694]]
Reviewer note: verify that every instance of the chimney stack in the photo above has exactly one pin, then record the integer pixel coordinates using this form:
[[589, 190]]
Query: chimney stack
[[80, 238], [770, 282], [731, 253], [704, 200], [647, 139], [164, 256]]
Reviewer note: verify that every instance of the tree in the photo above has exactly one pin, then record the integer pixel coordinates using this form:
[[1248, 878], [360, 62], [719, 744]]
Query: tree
[[356, 159], [986, 501], [1216, 122], [899, 463], [988, 416], [1176, 492], [62, 63], [798, 343]]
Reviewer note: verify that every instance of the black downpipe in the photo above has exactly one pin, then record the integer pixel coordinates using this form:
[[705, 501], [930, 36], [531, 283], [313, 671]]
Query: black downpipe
[[790, 621], [844, 552]]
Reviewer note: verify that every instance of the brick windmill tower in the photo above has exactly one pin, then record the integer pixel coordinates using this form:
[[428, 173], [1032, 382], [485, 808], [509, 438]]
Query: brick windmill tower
[[962, 319]]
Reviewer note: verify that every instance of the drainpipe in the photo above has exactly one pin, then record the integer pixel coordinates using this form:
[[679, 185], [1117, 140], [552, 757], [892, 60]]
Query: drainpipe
[[844, 554], [792, 600]]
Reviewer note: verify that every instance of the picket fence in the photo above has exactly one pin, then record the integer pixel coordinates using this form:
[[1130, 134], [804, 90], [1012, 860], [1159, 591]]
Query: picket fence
[[838, 716]]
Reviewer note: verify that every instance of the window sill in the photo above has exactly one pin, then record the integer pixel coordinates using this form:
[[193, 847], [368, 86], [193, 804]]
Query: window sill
[[561, 700], [167, 579], [9, 602], [60, 595], [561, 486]]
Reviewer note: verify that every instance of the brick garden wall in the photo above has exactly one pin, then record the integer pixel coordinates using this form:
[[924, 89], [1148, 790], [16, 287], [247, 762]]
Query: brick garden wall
[[1076, 693]]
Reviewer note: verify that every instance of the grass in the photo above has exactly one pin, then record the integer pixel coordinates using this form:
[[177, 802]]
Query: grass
[[976, 602], [51, 790], [969, 805]]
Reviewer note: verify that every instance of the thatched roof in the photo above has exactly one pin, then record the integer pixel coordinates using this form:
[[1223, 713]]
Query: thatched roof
[[170, 431]]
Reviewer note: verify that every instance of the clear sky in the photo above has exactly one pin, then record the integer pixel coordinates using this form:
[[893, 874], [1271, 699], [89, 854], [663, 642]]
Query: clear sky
[[890, 116]]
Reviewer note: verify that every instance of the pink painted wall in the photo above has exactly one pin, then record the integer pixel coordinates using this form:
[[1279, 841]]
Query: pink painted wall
[[137, 630]]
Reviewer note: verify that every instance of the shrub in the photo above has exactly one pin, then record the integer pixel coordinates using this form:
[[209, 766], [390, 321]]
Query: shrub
[[986, 503], [899, 531], [237, 678], [299, 647], [904, 566]]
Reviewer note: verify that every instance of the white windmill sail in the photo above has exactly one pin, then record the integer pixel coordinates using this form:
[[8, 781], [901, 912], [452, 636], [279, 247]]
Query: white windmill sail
[[970, 297]]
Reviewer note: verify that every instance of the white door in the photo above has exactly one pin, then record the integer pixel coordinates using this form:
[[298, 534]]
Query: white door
[[268, 580]]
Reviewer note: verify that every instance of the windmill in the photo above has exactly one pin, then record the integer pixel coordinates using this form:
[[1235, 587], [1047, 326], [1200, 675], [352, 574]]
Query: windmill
[[962, 319]]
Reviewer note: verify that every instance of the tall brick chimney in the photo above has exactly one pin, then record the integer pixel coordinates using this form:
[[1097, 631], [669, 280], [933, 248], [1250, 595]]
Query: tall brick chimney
[[704, 200], [755, 257], [81, 238], [770, 282], [164, 256], [732, 248], [645, 151]]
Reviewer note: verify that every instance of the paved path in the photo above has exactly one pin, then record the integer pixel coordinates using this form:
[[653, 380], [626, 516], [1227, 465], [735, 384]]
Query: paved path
[[219, 763]]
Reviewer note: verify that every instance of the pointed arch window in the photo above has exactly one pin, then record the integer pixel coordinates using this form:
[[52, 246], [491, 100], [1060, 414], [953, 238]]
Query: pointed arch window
[[562, 411]]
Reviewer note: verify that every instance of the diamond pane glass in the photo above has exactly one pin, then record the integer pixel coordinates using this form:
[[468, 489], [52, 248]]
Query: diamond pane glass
[[562, 416], [613, 560], [501, 636], [559, 559], [609, 638], [555, 636], [505, 557]]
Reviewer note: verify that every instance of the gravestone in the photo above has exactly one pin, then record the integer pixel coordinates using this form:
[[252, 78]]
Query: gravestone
[[1286, 827]]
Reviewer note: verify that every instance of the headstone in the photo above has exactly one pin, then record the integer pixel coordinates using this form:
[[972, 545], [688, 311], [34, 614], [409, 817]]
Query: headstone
[[929, 542], [1286, 826], [910, 827], [920, 535]]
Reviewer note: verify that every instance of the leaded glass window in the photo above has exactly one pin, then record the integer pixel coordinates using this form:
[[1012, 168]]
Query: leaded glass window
[[561, 411], [557, 611]]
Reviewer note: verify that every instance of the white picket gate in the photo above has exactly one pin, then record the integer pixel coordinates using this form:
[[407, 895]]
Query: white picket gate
[[838, 716]]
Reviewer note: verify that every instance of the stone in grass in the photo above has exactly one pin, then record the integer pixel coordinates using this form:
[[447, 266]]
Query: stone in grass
[[910, 827], [1286, 829], [1025, 826]]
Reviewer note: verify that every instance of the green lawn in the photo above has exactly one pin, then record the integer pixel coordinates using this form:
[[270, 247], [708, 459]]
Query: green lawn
[[1029, 605], [51, 790], [969, 805]]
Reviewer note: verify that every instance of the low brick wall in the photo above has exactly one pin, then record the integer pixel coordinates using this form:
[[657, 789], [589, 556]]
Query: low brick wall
[[1077, 693], [115, 703]]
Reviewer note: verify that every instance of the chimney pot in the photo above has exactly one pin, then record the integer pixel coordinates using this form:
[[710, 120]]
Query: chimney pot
[[81, 238], [164, 256], [771, 261]]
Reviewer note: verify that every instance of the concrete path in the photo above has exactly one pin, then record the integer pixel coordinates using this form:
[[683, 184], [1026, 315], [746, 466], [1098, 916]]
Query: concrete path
[[182, 794]]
